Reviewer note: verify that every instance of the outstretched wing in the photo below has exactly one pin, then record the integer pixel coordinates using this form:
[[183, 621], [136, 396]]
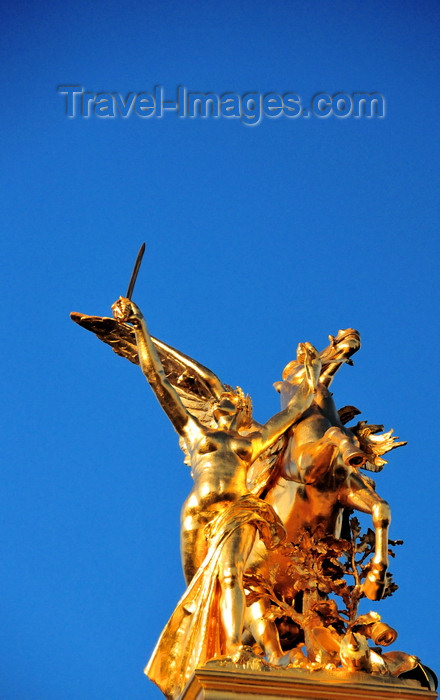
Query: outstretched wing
[[196, 385], [120, 336]]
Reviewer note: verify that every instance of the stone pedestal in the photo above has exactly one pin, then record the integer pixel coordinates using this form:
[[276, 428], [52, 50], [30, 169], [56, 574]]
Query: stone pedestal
[[217, 681]]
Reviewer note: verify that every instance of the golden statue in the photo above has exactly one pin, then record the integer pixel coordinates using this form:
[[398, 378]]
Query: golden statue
[[267, 540], [220, 518]]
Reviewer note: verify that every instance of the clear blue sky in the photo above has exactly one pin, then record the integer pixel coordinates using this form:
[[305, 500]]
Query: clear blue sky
[[257, 237]]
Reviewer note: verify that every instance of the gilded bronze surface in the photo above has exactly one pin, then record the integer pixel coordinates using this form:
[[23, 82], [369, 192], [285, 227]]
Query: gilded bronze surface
[[218, 680], [274, 562]]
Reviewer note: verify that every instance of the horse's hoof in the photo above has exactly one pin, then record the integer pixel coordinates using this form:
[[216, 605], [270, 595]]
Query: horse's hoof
[[382, 634], [375, 582], [352, 456]]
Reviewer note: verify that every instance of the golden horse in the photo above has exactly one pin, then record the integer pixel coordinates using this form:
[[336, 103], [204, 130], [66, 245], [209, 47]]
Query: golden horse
[[317, 479]]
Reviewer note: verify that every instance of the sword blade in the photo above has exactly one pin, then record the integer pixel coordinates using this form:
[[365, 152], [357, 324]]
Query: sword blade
[[134, 274]]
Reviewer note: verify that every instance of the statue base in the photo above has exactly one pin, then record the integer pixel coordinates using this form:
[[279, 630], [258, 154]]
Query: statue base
[[218, 680]]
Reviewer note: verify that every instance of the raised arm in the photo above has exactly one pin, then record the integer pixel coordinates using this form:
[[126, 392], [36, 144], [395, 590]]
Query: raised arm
[[125, 310], [298, 404]]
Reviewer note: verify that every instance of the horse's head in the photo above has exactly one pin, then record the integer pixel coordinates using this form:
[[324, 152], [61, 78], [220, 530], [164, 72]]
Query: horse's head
[[341, 348]]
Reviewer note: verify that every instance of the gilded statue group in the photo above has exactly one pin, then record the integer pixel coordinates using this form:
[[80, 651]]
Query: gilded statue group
[[274, 562]]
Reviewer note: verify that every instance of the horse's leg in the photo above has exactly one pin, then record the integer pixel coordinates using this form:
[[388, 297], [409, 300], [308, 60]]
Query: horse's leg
[[313, 460], [351, 454], [357, 494]]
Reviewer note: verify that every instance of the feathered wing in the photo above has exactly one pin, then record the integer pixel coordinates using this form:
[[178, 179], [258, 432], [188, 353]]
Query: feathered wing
[[120, 336], [195, 384]]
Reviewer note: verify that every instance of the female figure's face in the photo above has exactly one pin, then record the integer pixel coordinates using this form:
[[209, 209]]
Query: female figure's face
[[233, 411], [226, 409]]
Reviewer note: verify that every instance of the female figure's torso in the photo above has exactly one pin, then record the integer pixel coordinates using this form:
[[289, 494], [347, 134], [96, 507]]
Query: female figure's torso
[[219, 461]]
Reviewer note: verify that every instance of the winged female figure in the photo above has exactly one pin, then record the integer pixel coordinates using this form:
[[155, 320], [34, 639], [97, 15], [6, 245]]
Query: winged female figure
[[221, 517]]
